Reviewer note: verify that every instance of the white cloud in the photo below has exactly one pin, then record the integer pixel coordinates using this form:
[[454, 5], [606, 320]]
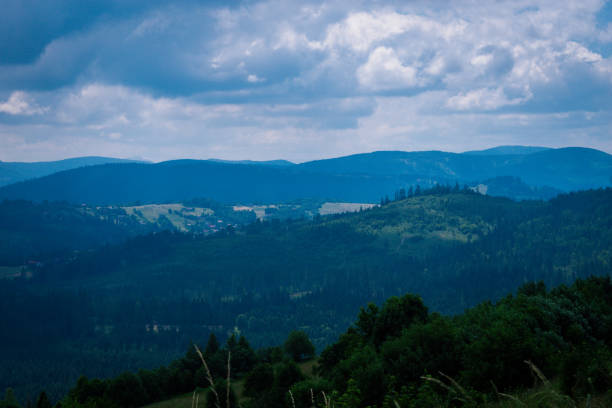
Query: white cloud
[[252, 78], [384, 71], [19, 103], [483, 99], [360, 30], [581, 53]]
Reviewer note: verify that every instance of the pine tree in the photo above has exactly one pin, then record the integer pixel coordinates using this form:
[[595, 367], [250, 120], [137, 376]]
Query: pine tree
[[43, 401], [352, 396], [9, 399], [212, 347]]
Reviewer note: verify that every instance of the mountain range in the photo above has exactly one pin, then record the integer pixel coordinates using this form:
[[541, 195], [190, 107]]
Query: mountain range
[[13, 172], [363, 177]]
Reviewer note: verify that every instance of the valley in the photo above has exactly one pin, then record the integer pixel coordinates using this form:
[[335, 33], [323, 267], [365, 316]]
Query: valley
[[266, 278], [137, 280]]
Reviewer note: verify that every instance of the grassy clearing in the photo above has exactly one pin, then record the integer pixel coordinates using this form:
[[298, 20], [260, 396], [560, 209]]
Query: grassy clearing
[[336, 208], [259, 210], [182, 401], [176, 213]]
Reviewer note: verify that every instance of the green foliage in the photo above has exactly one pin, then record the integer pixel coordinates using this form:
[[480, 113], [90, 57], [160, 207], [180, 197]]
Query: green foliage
[[298, 346], [266, 390], [484, 350], [587, 370], [308, 393], [243, 356], [287, 374], [397, 314], [9, 400], [351, 397], [259, 380], [43, 401], [183, 375], [222, 392], [422, 348], [466, 361], [212, 346]]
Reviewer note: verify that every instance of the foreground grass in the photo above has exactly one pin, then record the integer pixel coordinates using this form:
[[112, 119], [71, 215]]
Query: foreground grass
[[182, 401]]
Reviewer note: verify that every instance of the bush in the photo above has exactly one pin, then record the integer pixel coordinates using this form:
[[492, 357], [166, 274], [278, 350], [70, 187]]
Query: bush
[[299, 346]]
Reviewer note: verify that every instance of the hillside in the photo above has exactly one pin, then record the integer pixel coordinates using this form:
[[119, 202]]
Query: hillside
[[35, 233], [565, 169], [32, 233], [357, 178], [182, 180], [14, 172], [536, 348], [454, 248], [371, 252]]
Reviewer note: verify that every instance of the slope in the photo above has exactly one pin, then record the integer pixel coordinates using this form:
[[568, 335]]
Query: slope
[[13, 172], [146, 299], [182, 180], [356, 178]]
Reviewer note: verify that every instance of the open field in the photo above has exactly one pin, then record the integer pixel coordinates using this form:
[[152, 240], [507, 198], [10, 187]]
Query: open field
[[177, 214], [259, 210], [335, 208]]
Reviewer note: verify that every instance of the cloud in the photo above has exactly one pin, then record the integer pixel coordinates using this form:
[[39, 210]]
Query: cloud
[[361, 30], [20, 104], [268, 76], [252, 78], [493, 61], [384, 71], [483, 99]]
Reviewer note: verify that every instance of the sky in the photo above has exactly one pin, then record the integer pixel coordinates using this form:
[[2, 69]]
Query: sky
[[300, 80]]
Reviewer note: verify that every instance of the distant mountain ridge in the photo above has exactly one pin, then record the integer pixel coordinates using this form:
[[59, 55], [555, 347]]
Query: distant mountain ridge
[[13, 172], [509, 150], [263, 163], [357, 178]]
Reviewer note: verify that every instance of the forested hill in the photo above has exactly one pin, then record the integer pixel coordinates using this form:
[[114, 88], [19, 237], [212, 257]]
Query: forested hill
[[356, 178], [536, 348], [35, 233], [454, 248], [432, 243], [13, 172], [182, 180]]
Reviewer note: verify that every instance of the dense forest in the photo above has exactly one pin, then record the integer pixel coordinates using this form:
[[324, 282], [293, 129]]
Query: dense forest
[[536, 348], [138, 304], [37, 233], [42, 231]]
